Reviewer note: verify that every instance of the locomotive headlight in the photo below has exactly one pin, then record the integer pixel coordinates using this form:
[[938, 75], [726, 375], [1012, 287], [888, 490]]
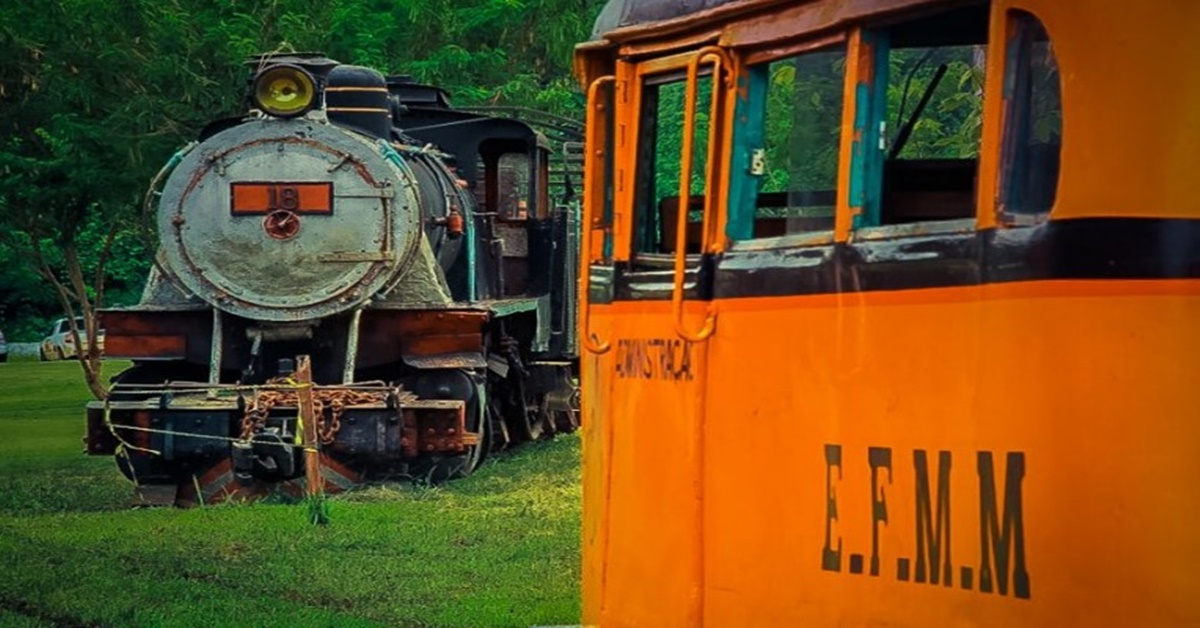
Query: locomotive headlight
[[284, 91]]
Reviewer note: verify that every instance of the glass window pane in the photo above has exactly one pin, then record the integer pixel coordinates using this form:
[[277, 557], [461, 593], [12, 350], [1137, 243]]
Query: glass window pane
[[1033, 120], [932, 117], [660, 152], [949, 124], [802, 125]]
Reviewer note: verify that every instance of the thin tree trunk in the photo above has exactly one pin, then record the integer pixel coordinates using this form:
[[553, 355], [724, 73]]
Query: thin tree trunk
[[89, 360]]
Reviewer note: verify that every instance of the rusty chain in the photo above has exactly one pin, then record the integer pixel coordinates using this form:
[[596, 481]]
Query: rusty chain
[[336, 399]]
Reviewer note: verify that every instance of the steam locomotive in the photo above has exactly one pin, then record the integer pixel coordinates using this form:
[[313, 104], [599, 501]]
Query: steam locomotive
[[356, 246]]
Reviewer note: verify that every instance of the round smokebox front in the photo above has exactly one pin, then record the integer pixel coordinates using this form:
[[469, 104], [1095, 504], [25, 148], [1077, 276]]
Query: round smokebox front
[[285, 220]]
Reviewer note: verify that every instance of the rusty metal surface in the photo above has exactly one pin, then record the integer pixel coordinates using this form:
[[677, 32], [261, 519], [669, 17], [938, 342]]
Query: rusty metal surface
[[302, 395], [660, 25], [157, 334], [463, 360], [436, 427], [423, 333]]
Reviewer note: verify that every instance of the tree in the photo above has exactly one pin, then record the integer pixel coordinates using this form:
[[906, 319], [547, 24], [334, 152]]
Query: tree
[[96, 94], [80, 134]]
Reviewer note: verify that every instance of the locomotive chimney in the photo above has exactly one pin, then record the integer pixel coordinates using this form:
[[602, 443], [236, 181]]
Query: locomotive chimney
[[357, 98]]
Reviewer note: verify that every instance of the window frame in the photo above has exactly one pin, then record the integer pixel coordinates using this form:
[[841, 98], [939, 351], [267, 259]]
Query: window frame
[[655, 72], [869, 156], [748, 134], [1014, 22]]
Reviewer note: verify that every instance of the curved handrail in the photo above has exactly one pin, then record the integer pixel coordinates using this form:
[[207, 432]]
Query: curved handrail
[[592, 188], [719, 57]]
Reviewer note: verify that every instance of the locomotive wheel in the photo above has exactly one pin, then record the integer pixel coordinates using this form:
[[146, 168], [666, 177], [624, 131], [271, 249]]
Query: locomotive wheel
[[526, 414], [565, 421], [561, 405], [539, 421], [466, 464], [455, 467]]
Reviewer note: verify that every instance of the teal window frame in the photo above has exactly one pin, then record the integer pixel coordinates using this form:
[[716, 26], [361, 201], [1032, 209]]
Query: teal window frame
[[749, 129], [866, 153], [749, 122]]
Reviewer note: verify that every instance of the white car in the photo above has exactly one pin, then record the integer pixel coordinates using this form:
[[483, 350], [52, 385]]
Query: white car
[[60, 344], [3, 348]]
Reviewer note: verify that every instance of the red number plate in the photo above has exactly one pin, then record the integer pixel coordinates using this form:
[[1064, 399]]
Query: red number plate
[[264, 198]]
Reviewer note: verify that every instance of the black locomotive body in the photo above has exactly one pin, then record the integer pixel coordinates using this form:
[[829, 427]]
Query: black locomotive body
[[356, 246]]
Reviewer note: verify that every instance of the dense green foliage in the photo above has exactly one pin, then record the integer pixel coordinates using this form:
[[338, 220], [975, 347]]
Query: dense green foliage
[[96, 94], [500, 548]]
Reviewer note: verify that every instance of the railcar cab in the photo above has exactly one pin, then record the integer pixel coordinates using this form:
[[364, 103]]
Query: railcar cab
[[888, 227], [842, 136]]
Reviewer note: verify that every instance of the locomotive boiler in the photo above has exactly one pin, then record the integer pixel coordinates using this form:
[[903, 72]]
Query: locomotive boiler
[[357, 253]]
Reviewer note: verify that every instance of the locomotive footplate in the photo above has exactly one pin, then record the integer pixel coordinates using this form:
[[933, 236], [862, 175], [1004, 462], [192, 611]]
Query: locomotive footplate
[[182, 422]]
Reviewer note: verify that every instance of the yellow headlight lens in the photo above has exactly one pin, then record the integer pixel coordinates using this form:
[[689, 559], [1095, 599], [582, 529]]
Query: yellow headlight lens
[[284, 91]]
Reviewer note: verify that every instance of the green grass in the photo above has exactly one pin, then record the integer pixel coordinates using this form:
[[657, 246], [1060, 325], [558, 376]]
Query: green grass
[[500, 548]]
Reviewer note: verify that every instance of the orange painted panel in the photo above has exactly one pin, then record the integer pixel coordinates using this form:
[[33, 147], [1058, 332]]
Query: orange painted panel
[[643, 435], [1063, 413], [1089, 395]]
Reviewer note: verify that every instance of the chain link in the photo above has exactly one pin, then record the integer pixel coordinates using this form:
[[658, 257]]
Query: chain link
[[336, 399]]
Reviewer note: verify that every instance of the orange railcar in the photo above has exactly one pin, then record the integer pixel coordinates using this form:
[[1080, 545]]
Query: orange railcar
[[892, 313]]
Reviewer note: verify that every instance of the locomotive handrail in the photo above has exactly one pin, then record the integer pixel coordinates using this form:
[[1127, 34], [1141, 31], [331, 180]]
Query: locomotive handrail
[[718, 57], [152, 194], [590, 161]]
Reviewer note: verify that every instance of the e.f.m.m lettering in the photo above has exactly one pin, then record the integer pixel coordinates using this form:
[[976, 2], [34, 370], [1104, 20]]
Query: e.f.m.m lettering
[[1001, 523]]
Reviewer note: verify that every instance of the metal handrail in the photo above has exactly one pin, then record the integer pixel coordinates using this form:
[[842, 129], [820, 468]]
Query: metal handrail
[[591, 160], [718, 57]]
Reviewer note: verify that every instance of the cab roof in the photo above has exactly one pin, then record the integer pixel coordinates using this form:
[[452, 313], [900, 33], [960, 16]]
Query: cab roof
[[620, 13]]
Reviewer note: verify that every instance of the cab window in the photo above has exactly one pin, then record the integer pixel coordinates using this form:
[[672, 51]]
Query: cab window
[[512, 182], [926, 107], [1032, 119], [800, 108], [659, 157]]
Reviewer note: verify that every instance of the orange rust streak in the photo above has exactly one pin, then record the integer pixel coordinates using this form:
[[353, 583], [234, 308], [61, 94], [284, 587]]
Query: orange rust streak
[[385, 336], [855, 72]]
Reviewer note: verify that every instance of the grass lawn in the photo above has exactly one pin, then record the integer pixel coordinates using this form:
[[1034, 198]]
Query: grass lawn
[[500, 548]]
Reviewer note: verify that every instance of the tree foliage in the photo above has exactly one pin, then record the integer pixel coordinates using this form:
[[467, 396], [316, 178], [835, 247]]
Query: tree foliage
[[96, 94]]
